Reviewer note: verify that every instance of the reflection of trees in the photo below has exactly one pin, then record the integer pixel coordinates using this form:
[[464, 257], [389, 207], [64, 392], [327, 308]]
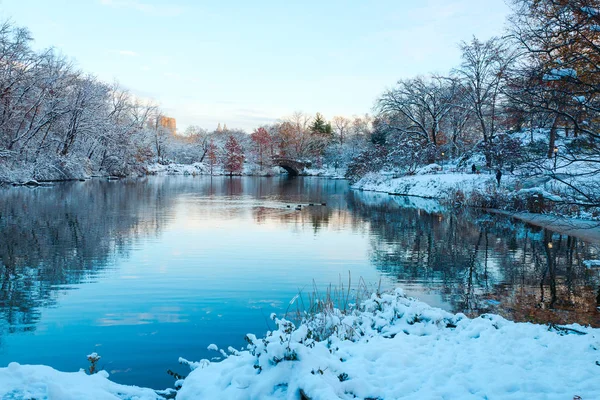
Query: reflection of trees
[[53, 238], [50, 238], [476, 261], [298, 191]]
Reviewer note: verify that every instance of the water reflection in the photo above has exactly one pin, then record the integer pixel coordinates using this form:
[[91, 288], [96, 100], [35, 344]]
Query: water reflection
[[481, 263], [52, 238], [147, 271]]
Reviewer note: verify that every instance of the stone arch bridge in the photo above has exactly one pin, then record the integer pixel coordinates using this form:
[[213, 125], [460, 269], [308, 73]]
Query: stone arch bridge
[[293, 167]]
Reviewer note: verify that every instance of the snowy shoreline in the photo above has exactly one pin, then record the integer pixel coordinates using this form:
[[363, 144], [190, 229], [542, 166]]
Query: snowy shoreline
[[430, 186], [195, 169], [391, 347], [462, 189], [584, 229]]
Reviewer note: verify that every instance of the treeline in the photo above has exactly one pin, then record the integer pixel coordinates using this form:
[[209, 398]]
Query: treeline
[[300, 136], [57, 122], [543, 75]]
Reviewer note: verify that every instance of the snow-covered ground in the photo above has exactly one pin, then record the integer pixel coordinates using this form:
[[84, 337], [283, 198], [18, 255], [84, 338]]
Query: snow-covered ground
[[178, 169], [392, 347], [325, 171], [204, 169], [250, 169], [25, 382], [430, 185], [571, 179]]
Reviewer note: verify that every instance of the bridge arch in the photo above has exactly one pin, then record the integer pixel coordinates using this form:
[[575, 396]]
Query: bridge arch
[[292, 167]]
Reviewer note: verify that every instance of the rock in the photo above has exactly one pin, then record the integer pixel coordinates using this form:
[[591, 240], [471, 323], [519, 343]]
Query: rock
[[31, 182]]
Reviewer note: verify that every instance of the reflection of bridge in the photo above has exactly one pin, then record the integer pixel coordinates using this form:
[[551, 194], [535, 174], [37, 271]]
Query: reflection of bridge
[[292, 167]]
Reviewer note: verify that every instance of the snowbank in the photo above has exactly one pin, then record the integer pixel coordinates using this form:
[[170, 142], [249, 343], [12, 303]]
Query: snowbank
[[327, 172], [425, 185], [250, 169], [393, 347], [398, 347], [178, 169], [41, 382]]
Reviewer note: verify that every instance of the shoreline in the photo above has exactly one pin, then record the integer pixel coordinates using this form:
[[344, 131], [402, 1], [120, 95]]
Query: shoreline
[[587, 230], [391, 346]]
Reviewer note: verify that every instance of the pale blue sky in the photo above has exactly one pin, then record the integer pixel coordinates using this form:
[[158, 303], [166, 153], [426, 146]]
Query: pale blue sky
[[246, 63]]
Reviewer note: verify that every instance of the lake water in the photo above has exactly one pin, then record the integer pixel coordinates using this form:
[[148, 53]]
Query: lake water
[[146, 271]]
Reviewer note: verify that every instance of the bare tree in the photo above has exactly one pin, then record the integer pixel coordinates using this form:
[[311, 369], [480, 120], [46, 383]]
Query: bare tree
[[417, 106], [481, 73]]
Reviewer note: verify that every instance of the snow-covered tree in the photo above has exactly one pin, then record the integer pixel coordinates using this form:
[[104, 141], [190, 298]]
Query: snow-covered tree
[[482, 72]]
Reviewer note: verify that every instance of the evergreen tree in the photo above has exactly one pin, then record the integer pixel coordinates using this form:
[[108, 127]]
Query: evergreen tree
[[319, 125]]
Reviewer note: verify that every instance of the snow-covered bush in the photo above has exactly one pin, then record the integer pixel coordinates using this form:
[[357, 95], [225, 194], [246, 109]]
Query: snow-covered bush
[[369, 160], [392, 346]]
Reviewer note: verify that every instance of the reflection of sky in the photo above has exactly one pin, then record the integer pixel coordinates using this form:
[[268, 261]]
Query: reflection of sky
[[204, 261], [213, 275]]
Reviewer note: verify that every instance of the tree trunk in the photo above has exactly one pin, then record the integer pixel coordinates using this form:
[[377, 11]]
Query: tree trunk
[[552, 141]]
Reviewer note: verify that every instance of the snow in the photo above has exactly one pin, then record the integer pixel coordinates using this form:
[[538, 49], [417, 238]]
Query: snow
[[557, 74], [194, 169], [429, 169], [178, 169], [325, 171], [529, 136], [426, 185], [391, 347], [539, 191], [397, 348], [552, 178], [591, 11], [42, 382], [592, 263]]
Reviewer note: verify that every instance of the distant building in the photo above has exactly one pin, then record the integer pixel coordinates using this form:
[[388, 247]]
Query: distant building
[[223, 129], [168, 123]]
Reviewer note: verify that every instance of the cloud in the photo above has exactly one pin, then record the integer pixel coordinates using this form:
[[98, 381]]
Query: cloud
[[128, 53], [163, 10], [208, 115]]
